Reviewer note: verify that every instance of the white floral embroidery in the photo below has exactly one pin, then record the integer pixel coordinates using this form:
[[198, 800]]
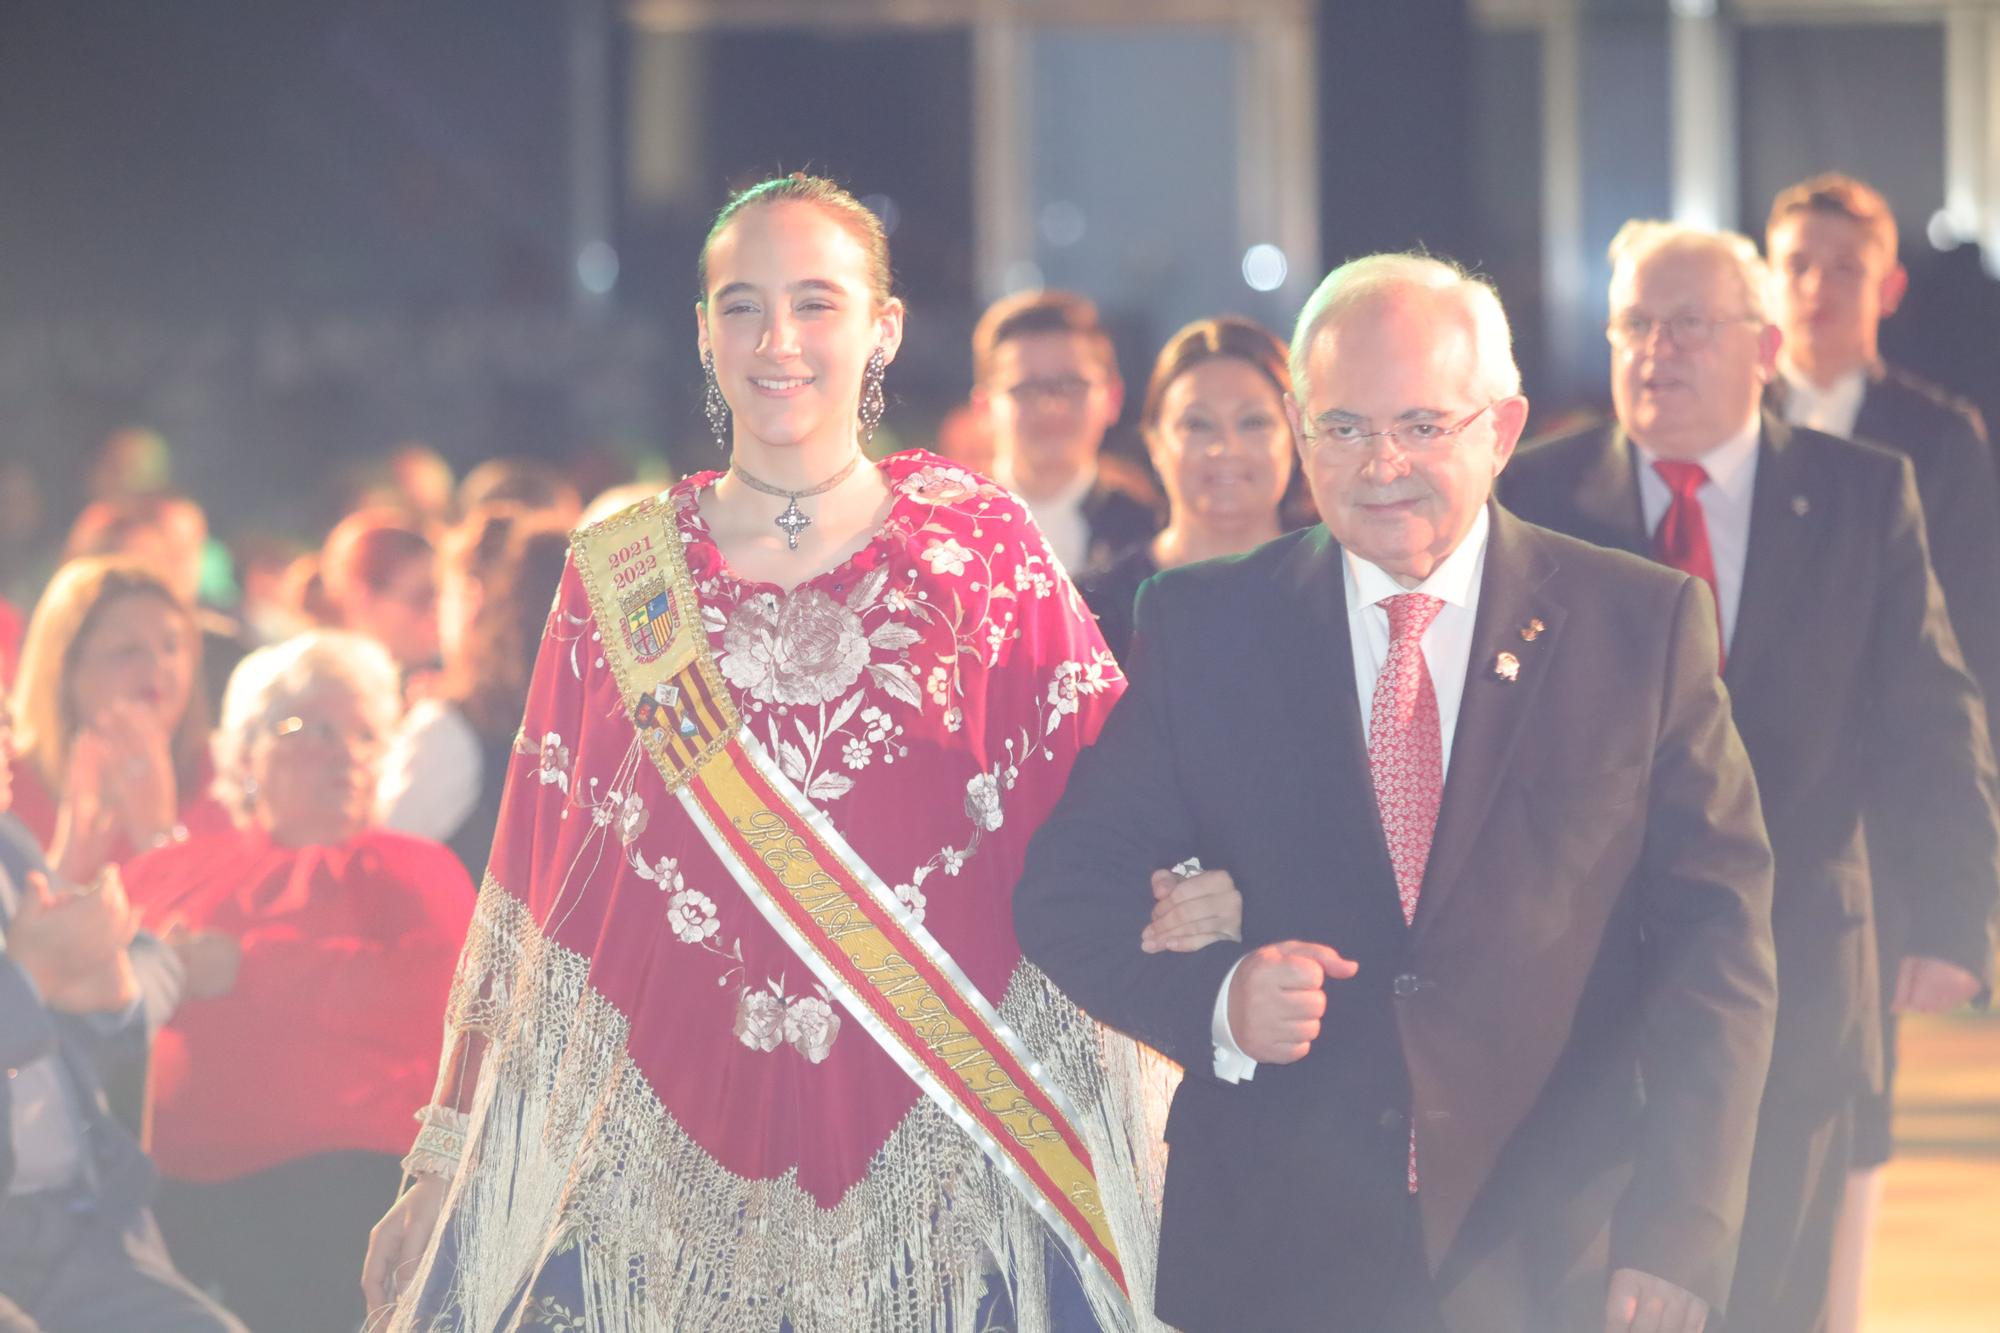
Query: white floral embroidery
[[632, 819], [768, 1017], [806, 648], [555, 761], [982, 801], [1063, 688], [913, 900], [760, 1019], [954, 718], [938, 685], [663, 874], [810, 1026], [947, 557], [941, 485], [691, 916], [855, 753]]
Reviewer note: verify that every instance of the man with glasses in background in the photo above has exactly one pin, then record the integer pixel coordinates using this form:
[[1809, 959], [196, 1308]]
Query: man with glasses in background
[[1487, 1056], [1046, 379], [1845, 679]]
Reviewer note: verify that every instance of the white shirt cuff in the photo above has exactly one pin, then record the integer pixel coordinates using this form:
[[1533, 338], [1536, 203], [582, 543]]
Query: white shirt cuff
[[1231, 1064]]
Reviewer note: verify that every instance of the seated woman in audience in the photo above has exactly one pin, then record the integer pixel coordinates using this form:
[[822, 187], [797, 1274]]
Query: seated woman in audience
[[110, 733], [283, 1102], [1215, 424], [448, 762], [378, 577]]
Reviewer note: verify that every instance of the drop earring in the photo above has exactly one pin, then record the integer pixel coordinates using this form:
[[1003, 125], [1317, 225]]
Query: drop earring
[[872, 401], [713, 404]]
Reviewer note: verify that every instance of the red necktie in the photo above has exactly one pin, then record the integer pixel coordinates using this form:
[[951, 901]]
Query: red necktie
[[1405, 755], [1681, 540], [1406, 758]]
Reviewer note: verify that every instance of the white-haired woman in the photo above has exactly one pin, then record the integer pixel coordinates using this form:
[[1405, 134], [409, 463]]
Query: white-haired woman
[[284, 1100]]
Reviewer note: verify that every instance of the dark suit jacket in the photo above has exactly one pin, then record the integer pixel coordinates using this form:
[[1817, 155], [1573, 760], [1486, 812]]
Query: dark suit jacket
[[1945, 441], [1596, 905], [1852, 698], [1118, 519], [28, 1031]]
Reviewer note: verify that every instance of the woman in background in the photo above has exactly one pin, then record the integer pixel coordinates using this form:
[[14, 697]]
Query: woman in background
[[111, 733], [283, 1093], [445, 768], [1215, 425]]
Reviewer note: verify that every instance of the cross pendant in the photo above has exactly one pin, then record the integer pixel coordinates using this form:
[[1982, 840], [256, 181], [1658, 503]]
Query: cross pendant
[[793, 521]]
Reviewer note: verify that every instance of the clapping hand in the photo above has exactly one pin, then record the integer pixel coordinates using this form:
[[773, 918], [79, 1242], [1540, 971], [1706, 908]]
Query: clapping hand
[[72, 945], [137, 772]]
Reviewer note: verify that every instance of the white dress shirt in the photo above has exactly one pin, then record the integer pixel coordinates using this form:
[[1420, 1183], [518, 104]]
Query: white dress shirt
[[432, 774], [1832, 409], [1060, 516], [1725, 505], [1447, 647]]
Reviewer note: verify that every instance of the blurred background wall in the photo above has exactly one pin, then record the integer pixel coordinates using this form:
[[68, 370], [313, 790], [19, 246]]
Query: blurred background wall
[[289, 235]]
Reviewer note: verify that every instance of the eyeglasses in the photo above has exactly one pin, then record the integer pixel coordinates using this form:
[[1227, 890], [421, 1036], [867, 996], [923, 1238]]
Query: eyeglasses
[[295, 730], [1411, 438], [1067, 391], [1687, 331]]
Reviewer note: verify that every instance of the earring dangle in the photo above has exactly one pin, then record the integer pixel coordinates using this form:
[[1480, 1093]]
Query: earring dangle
[[872, 401], [713, 404]]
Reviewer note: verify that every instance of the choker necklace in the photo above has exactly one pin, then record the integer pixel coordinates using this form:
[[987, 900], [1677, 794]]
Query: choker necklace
[[792, 520]]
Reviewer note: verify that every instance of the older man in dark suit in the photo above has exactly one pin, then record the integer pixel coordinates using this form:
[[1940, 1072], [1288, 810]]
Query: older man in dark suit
[[1490, 1058], [1845, 679], [78, 1249]]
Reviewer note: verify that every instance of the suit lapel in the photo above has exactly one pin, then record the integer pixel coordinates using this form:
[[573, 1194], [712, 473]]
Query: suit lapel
[[1871, 422], [1321, 677], [1495, 709], [1779, 553], [1608, 496]]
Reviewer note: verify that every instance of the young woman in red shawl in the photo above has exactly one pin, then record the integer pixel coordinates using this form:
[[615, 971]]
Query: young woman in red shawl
[[742, 1038], [282, 1092]]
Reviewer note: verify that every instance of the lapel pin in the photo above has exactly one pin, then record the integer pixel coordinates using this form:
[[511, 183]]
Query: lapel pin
[[1532, 630], [1507, 668], [1801, 506]]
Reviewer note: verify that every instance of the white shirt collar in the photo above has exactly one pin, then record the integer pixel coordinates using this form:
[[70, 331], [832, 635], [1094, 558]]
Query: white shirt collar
[[1832, 409], [1727, 464], [1455, 580], [1069, 497]]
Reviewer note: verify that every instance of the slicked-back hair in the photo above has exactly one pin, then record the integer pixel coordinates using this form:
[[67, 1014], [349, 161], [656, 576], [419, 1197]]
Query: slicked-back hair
[[800, 188], [1360, 283]]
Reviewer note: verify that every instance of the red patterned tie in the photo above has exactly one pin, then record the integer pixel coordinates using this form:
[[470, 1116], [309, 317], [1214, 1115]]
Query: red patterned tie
[[1681, 540], [1406, 758], [1405, 755]]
